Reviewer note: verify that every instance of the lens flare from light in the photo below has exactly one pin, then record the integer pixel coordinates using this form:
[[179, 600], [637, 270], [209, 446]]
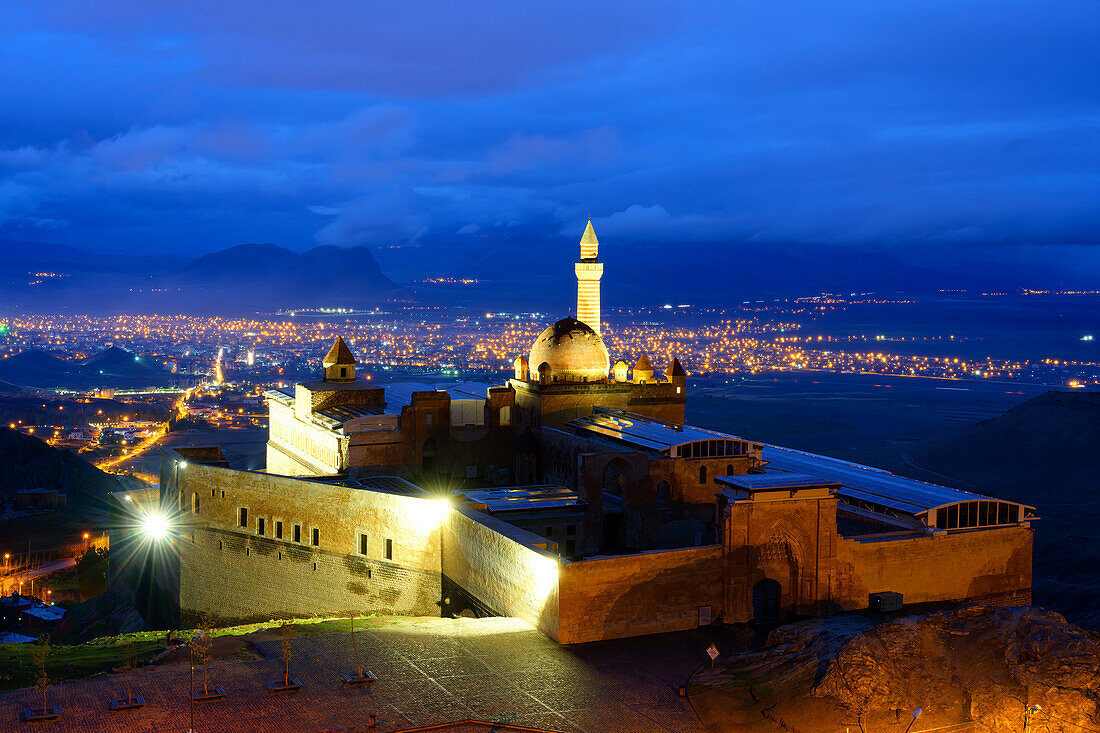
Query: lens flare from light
[[155, 526]]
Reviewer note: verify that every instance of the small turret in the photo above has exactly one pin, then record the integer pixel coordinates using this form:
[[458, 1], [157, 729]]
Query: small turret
[[677, 375], [643, 370], [339, 363], [621, 371]]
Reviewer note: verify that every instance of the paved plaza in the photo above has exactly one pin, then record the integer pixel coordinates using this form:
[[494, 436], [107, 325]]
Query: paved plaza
[[430, 671]]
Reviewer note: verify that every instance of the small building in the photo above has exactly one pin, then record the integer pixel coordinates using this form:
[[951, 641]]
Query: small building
[[38, 499]]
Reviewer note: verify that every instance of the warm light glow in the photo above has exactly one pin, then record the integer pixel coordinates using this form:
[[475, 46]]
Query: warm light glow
[[155, 526]]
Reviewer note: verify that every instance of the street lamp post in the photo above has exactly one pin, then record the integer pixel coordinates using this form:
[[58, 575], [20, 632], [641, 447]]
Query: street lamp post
[[916, 714], [1028, 714]]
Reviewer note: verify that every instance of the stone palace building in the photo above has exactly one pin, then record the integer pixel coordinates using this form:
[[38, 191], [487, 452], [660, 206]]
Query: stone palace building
[[573, 496]]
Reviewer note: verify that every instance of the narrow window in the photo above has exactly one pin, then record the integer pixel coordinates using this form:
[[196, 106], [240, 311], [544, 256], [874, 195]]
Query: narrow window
[[297, 533], [343, 372], [195, 502], [213, 495], [363, 546], [428, 419], [316, 537], [223, 494], [260, 525], [506, 415], [389, 549], [243, 519], [702, 474], [729, 469], [278, 530], [314, 566], [570, 547]]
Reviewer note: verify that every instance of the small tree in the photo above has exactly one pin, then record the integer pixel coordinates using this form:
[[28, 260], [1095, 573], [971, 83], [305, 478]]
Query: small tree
[[39, 653], [355, 646], [130, 666], [201, 643], [288, 634]]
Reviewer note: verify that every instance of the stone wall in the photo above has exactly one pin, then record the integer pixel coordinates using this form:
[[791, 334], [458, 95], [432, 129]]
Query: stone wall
[[986, 564], [632, 595], [502, 566], [244, 576]]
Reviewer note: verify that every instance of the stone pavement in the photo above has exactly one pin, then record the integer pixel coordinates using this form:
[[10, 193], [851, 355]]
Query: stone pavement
[[430, 671]]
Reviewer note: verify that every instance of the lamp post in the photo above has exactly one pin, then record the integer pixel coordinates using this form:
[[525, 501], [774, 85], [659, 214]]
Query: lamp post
[[1028, 714], [916, 714]]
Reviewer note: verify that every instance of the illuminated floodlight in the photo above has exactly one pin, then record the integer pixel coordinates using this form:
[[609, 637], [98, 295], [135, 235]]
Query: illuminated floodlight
[[155, 526]]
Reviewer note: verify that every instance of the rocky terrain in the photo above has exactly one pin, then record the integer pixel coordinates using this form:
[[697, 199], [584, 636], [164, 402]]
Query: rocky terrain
[[980, 666]]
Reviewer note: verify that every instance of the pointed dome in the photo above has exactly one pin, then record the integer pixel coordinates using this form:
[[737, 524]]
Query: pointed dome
[[338, 354], [643, 369], [572, 352], [675, 370]]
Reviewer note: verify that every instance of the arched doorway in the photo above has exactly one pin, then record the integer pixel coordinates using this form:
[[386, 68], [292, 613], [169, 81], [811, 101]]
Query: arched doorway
[[765, 601], [614, 478], [428, 454], [664, 494]]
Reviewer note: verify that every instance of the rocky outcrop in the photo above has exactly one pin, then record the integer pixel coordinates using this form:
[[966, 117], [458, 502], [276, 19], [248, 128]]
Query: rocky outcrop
[[978, 667], [989, 664]]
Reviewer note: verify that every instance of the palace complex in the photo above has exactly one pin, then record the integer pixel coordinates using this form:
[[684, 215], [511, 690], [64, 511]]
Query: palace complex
[[573, 496]]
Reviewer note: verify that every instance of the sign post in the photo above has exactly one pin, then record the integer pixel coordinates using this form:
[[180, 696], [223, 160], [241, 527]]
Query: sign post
[[712, 652]]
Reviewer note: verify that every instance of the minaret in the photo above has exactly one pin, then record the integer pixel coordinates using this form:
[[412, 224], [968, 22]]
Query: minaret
[[589, 271]]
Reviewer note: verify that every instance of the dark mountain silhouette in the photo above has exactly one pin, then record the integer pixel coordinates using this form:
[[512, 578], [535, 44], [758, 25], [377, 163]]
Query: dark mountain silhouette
[[111, 367], [271, 276], [242, 279], [117, 361], [1045, 452]]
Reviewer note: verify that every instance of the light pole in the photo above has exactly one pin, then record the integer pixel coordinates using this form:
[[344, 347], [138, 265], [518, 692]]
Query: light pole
[[1028, 714], [916, 714]]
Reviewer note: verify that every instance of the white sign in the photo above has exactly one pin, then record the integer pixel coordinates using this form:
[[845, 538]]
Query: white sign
[[712, 652]]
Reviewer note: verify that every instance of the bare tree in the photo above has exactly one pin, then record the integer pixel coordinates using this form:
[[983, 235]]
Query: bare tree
[[201, 643], [287, 631], [39, 653]]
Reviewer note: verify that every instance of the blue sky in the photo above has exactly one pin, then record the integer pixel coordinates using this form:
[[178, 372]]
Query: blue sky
[[958, 132]]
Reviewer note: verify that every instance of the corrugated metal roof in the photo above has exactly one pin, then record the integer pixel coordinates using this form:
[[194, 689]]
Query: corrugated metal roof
[[643, 432], [513, 498], [869, 484], [777, 480], [388, 484]]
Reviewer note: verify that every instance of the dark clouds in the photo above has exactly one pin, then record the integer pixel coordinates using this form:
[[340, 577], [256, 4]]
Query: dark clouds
[[913, 126]]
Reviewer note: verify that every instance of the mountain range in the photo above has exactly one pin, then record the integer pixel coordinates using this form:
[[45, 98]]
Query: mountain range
[[245, 279]]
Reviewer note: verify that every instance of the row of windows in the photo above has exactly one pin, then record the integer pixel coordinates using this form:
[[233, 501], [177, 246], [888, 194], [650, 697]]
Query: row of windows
[[703, 472], [712, 449], [977, 514], [278, 530], [364, 546]]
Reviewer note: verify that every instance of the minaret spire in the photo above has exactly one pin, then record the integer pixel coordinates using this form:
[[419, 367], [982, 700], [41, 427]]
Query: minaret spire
[[589, 271]]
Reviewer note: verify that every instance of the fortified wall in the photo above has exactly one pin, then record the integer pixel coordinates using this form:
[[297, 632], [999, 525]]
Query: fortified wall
[[254, 546]]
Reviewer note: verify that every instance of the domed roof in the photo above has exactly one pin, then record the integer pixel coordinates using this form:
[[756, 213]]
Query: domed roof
[[573, 352]]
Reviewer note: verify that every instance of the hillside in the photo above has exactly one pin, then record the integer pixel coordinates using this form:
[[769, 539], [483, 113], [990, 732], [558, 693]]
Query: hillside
[[28, 463], [1046, 452], [267, 276], [241, 279], [112, 367]]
